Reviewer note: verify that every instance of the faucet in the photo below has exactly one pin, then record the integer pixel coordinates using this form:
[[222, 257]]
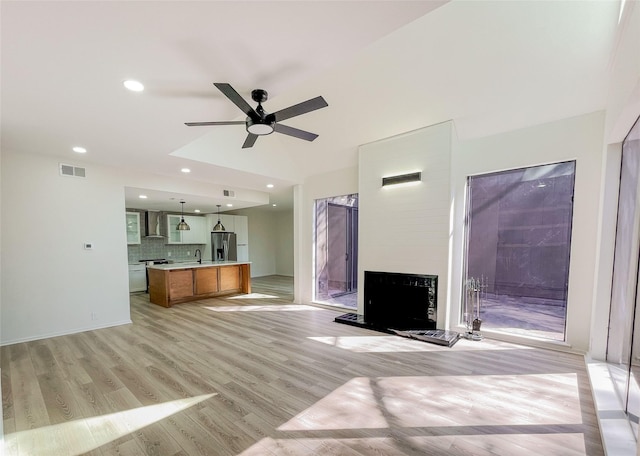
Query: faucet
[[199, 258]]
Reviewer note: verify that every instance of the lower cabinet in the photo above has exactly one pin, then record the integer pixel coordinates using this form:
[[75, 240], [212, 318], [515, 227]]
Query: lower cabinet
[[206, 280], [181, 283], [137, 277], [230, 278]]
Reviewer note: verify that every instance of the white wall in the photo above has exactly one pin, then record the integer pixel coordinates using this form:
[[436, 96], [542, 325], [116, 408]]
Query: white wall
[[263, 240], [270, 240], [51, 285], [341, 182], [405, 228], [284, 246], [578, 138]]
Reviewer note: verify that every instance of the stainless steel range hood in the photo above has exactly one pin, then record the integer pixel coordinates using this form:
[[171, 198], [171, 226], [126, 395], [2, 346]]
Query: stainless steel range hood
[[152, 224]]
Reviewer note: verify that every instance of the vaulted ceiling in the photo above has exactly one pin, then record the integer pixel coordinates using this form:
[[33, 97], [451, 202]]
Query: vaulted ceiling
[[384, 67]]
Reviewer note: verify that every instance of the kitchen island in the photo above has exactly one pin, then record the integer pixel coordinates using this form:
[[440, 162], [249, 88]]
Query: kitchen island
[[182, 282]]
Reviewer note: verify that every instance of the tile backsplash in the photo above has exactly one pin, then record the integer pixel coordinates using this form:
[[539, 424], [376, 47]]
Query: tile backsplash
[[152, 248]]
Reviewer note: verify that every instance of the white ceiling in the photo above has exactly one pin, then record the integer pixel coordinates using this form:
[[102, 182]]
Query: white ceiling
[[384, 67]]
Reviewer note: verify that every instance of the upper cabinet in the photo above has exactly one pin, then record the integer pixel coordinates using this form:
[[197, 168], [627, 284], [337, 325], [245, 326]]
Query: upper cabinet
[[228, 221], [196, 235], [232, 223], [133, 227], [173, 236], [242, 229], [198, 232]]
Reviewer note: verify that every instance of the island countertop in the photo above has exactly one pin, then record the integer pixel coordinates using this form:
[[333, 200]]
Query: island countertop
[[181, 282], [194, 264]]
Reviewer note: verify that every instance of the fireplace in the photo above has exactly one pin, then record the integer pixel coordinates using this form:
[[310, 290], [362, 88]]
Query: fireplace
[[402, 304], [400, 301], [396, 301]]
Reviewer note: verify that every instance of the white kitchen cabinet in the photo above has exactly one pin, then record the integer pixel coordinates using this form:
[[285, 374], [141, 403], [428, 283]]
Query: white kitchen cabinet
[[173, 236], [241, 229], [133, 227], [137, 277], [242, 237], [196, 235], [228, 221], [243, 252]]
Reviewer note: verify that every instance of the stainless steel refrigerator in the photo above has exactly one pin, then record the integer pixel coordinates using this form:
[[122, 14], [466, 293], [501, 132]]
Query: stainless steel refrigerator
[[224, 246]]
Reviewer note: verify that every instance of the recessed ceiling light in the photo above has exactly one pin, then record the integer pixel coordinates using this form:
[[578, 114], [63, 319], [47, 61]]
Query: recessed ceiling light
[[196, 210], [144, 197], [269, 185], [80, 150], [185, 170], [134, 86], [229, 205], [274, 205]]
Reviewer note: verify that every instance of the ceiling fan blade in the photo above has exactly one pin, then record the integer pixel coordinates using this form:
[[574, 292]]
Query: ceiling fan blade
[[235, 97], [300, 108], [250, 141], [286, 130], [200, 124]]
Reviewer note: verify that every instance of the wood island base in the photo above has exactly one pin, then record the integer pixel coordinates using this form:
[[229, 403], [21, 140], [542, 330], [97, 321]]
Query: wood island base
[[170, 284]]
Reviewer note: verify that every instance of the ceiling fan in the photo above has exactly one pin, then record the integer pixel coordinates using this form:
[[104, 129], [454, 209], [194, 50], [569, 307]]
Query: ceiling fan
[[259, 122]]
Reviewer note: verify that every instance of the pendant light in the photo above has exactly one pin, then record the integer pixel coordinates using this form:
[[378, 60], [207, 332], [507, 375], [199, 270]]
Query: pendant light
[[219, 226], [182, 226]]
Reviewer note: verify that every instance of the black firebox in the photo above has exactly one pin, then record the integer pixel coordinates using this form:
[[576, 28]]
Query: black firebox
[[400, 301]]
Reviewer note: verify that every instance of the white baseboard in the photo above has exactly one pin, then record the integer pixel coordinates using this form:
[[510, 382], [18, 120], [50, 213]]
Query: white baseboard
[[64, 333]]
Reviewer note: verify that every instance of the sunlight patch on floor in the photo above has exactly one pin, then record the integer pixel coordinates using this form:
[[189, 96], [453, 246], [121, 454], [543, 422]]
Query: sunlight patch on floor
[[474, 400], [397, 344], [266, 308], [83, 435], [254, 296], [567, 444]]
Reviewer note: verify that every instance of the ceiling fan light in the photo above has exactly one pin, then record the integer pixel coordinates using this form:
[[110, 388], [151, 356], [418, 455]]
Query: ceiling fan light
[[260, 128]]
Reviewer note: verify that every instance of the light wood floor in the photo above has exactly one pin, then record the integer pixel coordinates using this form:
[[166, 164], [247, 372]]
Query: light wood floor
[[256, 375]]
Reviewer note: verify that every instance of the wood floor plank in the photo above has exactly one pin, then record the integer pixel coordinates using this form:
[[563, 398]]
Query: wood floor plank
[[153, 439], [288, 380], [66, 361], [29, 407], [8, 415]]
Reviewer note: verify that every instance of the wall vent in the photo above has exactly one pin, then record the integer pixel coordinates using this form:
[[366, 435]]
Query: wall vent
[[71, 171], [229, 193]]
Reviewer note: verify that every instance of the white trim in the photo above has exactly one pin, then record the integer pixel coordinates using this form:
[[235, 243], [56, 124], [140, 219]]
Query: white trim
[[617, 435], [64, 333]]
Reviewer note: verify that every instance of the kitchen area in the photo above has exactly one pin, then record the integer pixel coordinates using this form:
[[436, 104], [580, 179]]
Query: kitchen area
[[154, 242]]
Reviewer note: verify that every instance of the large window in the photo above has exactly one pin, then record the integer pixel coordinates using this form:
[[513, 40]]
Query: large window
[[623, 344], [518, 243]]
